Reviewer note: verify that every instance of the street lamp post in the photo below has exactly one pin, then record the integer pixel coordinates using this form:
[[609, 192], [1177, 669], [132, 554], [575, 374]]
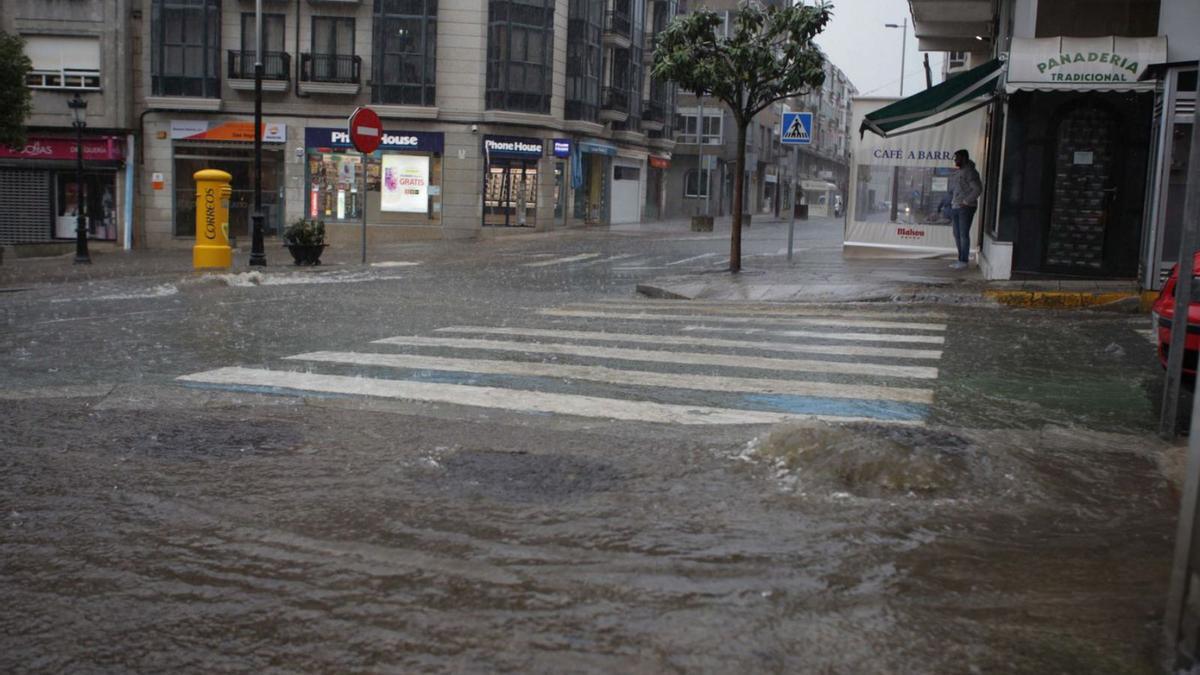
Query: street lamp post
[[78, 107], [895, 214], [257, 256], [903, 48]]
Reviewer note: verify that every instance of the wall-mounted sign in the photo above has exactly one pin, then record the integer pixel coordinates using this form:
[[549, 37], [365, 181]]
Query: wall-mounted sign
[[108, 148], [562, 148], [404, 184], [416, 141], [659, 162], [156, 181], [235, 130], [1102, 62], [513, 146], [598, 148]]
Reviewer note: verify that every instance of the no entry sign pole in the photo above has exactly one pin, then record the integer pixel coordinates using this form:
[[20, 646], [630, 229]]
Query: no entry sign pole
[[366, 132]]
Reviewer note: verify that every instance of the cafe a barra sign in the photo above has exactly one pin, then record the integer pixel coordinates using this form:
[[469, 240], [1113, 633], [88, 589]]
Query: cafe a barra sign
[[1061, 62]]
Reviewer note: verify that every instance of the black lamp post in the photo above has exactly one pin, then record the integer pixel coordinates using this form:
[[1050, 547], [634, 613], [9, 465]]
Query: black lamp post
[[258, 257], [79, 108]]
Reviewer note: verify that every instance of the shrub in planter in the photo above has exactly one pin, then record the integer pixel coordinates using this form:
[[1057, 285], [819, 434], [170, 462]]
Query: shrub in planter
[[305, 240]]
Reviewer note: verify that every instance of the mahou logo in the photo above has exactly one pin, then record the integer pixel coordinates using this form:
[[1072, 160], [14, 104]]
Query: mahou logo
[[909, 233]]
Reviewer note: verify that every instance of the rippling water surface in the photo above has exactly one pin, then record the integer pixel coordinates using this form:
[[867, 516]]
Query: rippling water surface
[[312, 538]]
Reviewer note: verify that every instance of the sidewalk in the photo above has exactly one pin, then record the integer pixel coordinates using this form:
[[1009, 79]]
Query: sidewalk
[[818, 272]]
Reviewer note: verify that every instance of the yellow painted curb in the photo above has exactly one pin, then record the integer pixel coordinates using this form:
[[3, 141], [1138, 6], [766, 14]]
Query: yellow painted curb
[[1068, 299]]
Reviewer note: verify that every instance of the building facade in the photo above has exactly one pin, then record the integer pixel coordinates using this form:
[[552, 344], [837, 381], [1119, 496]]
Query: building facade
[[75, 48], [496, 113], [1087, 139], [701, 178]]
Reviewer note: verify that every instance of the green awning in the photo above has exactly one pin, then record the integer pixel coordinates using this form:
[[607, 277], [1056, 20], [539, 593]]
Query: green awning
[[961, 89]]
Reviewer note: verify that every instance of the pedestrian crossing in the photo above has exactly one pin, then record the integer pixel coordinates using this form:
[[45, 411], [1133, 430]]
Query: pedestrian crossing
[[728, 364]]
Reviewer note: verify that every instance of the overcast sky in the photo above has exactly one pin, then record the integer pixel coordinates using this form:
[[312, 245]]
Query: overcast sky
[[858, 43]]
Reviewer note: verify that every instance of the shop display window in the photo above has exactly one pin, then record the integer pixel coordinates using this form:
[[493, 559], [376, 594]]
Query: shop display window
[[335, 185], [99, 205]]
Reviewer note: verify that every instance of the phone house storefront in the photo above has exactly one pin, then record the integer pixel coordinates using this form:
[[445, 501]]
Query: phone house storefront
[[511, 180], [403, 177]]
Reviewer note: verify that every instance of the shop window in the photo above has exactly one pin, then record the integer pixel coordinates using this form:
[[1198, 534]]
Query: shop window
[[405, 61], [335, 186], [61, 62], [238, 163], [922, 195], [696, 182], [520, 52], [626, 173], [99, 205], [185, 48]]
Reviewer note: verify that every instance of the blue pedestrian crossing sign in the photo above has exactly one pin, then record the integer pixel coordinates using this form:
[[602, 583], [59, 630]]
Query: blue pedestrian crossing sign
[[797, 128]]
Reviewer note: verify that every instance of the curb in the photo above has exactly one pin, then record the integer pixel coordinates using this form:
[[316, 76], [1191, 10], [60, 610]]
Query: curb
[[1129, 301], [658, 293]]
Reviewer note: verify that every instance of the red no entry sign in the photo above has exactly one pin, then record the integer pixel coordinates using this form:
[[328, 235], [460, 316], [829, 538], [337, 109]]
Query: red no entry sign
[[365, 130]]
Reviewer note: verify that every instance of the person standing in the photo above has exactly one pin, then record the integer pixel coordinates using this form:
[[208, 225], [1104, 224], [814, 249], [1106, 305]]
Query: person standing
[[965, 188]]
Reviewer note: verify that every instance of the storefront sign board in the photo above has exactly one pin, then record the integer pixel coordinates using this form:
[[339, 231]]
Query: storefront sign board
[[598, 148], [1103, 62], [562, 148], [659, 162], [339, 139], [513, 146], [107, 148], [236, 130]]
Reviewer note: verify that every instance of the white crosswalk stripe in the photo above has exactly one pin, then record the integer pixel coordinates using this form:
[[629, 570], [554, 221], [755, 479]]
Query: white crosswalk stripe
[[659, 356], [797, 321], [654, 370], [838, 350], [560, 261]]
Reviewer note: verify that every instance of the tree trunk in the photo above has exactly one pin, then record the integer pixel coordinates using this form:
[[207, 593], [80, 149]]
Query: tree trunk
[[739, 179]]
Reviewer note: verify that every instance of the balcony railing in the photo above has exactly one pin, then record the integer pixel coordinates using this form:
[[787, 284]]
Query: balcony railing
[[653, 111], [618, 23], [615, 99], [333, 68], [276, 65]]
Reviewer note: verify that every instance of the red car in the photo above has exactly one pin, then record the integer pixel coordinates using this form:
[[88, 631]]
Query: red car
[[1162, 313]]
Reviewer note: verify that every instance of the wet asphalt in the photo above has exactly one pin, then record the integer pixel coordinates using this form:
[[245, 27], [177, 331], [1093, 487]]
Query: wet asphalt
[[150, 524]]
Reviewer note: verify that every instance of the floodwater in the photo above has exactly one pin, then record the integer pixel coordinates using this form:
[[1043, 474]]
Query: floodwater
[[327, 537]]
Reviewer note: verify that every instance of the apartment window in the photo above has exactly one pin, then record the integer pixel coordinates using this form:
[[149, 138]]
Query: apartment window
[[333, 49], [712, 127], [185, 55], [61, 62], [275, 62], [584, 65], [405, 52], [1098, 18], [520, 49], [695, 183]]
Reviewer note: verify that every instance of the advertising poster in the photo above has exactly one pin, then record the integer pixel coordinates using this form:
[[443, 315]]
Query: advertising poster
[[405, 184], [899, 187]]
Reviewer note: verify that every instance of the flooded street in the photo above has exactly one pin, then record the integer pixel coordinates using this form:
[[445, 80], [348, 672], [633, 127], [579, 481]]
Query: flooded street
[[1010, 512]]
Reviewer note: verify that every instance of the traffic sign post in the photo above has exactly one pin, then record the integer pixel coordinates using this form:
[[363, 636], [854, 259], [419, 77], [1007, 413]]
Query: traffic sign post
[[366, 132], [796, 129]]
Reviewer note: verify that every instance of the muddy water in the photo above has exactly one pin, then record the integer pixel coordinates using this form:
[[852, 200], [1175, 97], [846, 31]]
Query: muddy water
[[306, 538]]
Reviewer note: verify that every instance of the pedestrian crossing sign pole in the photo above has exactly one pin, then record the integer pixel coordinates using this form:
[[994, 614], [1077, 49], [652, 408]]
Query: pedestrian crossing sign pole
[[797, 128]]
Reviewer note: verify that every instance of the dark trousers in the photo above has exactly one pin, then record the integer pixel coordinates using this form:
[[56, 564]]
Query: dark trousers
[[962, 218]]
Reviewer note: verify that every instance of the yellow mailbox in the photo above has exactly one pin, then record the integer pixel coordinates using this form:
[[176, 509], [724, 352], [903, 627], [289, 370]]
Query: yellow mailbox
[[212, 220]]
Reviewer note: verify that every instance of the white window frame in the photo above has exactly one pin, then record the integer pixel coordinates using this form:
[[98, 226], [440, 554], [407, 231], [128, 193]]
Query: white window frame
[[710, 137], [704, 181], [65, 77]]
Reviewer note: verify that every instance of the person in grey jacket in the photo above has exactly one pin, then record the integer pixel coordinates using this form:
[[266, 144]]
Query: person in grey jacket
[[965, 188]]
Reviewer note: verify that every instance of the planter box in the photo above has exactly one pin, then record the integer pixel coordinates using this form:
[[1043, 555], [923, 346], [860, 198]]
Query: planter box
[[702, 223], [306, 254]]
